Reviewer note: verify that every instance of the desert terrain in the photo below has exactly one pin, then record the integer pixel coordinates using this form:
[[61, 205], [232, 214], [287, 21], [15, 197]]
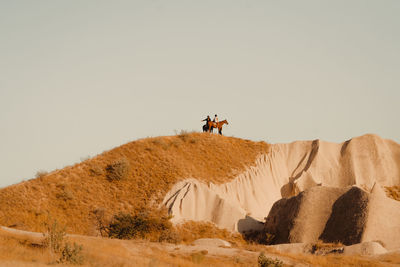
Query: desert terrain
[[199, 199]]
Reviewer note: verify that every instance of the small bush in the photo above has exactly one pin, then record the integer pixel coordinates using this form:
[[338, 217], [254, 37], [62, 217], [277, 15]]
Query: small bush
[[65, 194], [54, 236], [99, 216], [160, 142], [95, 170], [148, 225], [321, 248], [55, 241], [184, 135], [170, 236], [118, 170], [41, 174], [71, 254], [393, 192], [259, 237], [264, 261]]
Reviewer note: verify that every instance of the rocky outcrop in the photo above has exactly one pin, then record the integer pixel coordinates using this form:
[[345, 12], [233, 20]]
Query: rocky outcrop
[[286, 171], [336, 215]]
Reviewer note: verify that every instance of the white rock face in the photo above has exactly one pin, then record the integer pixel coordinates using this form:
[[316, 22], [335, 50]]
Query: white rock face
[[211, 242], [365, 248], [288, 169]]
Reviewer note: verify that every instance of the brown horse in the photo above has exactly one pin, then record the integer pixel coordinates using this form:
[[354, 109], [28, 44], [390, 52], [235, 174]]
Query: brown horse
[[218, 125]]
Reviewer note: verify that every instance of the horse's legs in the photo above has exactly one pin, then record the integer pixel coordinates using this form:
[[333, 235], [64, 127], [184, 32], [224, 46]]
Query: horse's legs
[[220, 131]]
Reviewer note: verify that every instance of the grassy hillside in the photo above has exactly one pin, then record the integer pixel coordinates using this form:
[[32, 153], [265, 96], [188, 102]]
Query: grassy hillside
[[147, 168]]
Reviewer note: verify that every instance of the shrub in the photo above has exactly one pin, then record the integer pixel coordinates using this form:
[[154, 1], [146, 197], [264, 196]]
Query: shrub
[[95, 170], [184, 135], [190, 231], [321, 248], [71, 254], [118, 170], [393, 192], [148, 225], [170, 236], [101, 221], [41, 174], [264, 261], [260, 237], [55, 241], [65, 194], [55, 236]]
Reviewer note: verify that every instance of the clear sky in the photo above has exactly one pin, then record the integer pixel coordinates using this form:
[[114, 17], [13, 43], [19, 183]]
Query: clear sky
[[81, 77]]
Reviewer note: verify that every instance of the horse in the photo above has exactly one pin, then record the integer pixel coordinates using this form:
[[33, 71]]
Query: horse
[[205, 128], [218, 125]]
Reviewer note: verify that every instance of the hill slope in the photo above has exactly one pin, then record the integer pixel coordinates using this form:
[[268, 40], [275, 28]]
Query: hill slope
[[152, 166]]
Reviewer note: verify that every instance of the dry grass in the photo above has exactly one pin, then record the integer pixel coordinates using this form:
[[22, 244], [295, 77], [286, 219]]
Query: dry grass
[[190, 231], [393, 192], [72, 194], [17, 250], [24, 250]]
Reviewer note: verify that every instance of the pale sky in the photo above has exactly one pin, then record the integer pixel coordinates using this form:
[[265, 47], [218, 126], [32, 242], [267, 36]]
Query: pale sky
[[81, 77]]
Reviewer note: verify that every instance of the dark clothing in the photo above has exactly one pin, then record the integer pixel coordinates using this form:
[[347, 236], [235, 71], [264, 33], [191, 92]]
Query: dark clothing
[[205, 127], [207, 119]]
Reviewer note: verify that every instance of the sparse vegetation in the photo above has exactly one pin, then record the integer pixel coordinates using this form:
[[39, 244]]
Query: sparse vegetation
[[393, 192], [71, 254], [144, 225], [264, 261], [96, 170], [99, 216], [190, 231], [259, 237], [321, 248], [54, 238], [41, 174], [56, 242], [64, 193], [118, 170]]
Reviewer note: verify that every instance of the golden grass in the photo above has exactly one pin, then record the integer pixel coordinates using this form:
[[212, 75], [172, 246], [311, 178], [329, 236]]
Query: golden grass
[[393, 192], [70, 195], [15, 250], [190, 231], [19, 249]]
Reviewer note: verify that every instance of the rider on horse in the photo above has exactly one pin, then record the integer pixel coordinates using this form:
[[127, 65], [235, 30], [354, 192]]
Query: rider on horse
[[210, 125], [215, 118], [205, 127]]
